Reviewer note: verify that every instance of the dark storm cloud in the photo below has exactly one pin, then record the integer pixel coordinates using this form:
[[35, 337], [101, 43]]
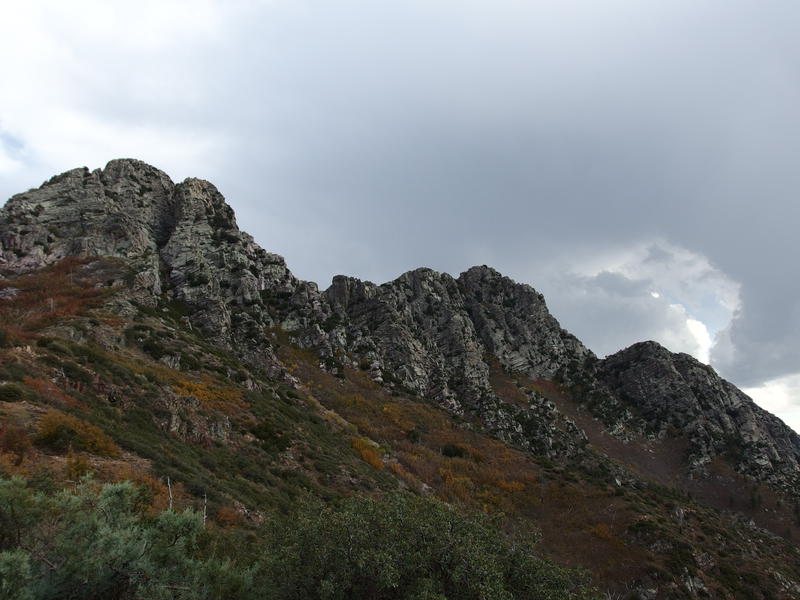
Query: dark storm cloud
[[515, 135], [371, 138]]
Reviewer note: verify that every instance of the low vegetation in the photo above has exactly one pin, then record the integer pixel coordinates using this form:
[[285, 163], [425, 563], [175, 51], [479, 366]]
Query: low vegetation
[[106, 542], [210, 479]]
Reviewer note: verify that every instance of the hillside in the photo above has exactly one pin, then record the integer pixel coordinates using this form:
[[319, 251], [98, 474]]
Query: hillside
[[146, 338]]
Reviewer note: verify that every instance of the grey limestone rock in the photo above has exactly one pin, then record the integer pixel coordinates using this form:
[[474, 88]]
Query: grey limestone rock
[[417, 330], [122, 211], [425, 333], [676, 392], [514, 325], [179, 242]]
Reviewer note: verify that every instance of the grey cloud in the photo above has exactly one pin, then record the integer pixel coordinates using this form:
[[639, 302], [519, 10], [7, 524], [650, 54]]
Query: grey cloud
[[10, 143], [612, 311], [617, 284], [657, 254]]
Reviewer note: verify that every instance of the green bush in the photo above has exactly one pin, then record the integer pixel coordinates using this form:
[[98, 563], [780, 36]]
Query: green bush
[[272, 439], [454, 451], [76, 373], [106, 543], [10, 392], [406, 547], [154, 349]]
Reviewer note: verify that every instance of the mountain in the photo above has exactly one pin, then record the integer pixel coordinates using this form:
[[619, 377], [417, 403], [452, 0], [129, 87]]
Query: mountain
[[137, 306]]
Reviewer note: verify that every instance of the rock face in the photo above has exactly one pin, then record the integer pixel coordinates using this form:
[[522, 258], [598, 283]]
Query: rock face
[[432, 333], [425, 333], [178, 242], [122, 211], [676, 392], [514, 325], [416, 332]]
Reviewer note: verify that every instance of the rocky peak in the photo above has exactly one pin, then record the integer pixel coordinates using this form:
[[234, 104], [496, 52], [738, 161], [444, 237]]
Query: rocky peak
[[677, 395], [416, 333], [514, 324], [120, 211], [426, 332], [177, 241]]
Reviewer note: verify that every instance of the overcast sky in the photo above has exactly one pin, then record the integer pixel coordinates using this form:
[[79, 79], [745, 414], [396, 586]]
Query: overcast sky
[[635, 161]]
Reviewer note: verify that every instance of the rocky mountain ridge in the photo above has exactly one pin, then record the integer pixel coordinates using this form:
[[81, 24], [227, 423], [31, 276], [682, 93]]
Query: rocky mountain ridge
[[426, 333]]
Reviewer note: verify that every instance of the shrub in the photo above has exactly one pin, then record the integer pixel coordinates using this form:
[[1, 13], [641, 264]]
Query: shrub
[[61, 432], [77, 466], [76, 373], [50, 393], [407, 547], [14, 440], [454, 451], [10, 392], [154, 349], [105, 543], [367, 451], [271, 439], [189, 363], [104, 546]]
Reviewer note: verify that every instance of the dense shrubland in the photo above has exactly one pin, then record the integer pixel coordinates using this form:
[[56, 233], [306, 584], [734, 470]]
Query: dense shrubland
[[107, 542]]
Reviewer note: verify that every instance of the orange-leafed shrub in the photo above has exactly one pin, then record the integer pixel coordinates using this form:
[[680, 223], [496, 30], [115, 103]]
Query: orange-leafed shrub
[[601, 530], [510, 486], [456, 487], [62, 432], [139, 473], [367, 451], [49, 296], [77, 466]]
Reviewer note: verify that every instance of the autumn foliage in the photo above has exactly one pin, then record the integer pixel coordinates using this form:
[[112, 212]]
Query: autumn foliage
[[48, 297], [212, 395], [367, 450], [61, 432]]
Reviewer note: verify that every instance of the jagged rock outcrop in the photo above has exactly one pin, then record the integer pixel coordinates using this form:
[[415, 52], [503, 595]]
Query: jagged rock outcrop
[[425, 333], [418, 332], [179, 242], [676, 394], [514, 325], [122, 211], [432, 333]]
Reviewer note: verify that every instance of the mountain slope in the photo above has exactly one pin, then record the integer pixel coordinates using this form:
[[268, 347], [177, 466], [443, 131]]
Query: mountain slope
[[205, 358]]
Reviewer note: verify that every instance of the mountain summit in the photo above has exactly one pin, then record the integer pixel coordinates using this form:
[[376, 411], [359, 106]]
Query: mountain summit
[[177, 282]]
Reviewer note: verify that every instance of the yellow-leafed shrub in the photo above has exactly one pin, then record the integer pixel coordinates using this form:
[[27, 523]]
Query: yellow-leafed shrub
[[62, 432], [212, 395], [367, 451]]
